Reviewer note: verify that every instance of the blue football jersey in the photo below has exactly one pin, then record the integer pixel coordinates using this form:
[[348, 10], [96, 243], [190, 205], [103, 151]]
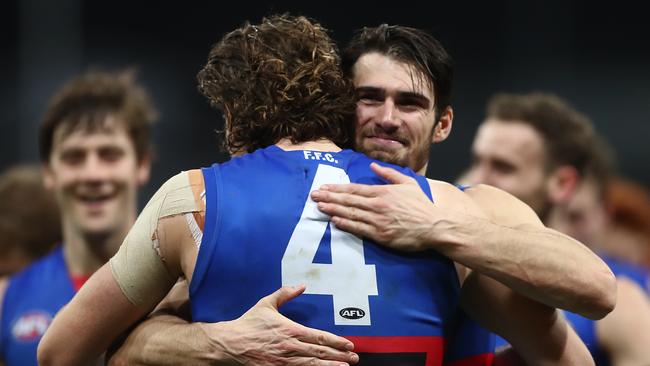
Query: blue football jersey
[[263, 231], [470, 344], [31, 300]]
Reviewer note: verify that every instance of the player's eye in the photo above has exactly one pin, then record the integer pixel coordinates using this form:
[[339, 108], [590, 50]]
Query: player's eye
[[111, 154], [73, 157]]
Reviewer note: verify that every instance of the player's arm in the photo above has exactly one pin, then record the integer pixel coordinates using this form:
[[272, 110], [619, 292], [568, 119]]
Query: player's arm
[[142, 345], [539, 262], [84, 328], [262, 337], [625, 332], [486, 229], [538, 333], [125, 289]]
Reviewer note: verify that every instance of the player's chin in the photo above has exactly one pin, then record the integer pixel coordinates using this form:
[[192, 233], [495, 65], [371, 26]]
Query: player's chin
[[391, 157], [99, 223], [99, 228]]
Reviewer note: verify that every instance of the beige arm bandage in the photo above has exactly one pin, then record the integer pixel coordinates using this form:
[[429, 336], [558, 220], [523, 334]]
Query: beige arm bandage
[[138, 267]]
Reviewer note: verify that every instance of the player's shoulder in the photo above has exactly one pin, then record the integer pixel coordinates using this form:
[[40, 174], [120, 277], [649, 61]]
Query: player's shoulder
[[444, 186], [186, 178], [483, 190], [487, 194], [187, 181], [444, 190], [501, 206], [448, 195], [182, 193]]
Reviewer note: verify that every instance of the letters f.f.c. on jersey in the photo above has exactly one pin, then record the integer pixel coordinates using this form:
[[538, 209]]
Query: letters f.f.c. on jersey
[[263, 231]]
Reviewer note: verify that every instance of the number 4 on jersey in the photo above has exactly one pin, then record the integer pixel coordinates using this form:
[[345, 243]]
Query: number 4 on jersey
[[348, 278]]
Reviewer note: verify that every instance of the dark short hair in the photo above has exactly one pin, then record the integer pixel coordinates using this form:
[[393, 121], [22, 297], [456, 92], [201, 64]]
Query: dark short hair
[[279, 79], [568, 135], [85, 102], [412, 46]]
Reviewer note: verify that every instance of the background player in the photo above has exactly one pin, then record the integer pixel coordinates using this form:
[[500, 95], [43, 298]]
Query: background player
[[543, 151], [24, 205], [95, 151]]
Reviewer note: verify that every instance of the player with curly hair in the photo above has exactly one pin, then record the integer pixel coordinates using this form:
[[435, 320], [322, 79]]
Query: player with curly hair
[[239, 230]]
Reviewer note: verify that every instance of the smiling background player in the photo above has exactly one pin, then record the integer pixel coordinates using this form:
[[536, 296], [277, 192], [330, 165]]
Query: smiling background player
[[95, 151]]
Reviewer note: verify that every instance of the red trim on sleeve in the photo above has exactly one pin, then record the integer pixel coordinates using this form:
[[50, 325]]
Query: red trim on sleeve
[[79, 280]]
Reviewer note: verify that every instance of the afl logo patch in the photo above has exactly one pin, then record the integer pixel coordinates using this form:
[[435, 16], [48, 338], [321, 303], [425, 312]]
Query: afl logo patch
[[352, 313], [31, 326]]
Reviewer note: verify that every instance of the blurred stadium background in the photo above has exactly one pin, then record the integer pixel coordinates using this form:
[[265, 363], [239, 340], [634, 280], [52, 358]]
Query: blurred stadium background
[[595, 55]]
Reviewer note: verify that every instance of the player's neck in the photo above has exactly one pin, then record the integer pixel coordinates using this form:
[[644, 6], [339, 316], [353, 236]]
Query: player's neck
[[85, 253], [423, 170], [317, 145]]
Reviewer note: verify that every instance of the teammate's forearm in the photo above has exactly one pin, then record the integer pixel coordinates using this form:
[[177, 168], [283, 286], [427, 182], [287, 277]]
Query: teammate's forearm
[[539, 334], [539, 263], [166, 340]]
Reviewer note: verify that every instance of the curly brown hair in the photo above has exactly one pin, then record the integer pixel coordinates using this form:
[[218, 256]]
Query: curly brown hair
[[279, 79], [87, 100]]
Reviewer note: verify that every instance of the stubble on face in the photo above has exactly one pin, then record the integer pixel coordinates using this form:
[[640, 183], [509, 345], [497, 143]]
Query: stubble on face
[[414, 158], [510, 155], [395, 112]]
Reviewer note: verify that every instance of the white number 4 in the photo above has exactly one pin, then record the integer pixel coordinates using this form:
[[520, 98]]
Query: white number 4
[[348, 278]]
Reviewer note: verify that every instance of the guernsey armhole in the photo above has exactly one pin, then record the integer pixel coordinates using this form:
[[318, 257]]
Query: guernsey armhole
[[196, 220]]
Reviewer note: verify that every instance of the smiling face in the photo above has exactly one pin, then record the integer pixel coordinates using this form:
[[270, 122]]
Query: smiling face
[[95, 176], [395, 111]]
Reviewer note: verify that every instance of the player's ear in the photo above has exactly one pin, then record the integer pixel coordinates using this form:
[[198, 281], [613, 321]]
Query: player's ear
[[562, 184], [48, 176], [442, 128], [144, 169]]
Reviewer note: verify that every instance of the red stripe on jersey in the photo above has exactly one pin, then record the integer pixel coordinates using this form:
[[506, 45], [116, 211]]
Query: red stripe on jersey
[[79, 280], [486, 359], [432, 346]]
